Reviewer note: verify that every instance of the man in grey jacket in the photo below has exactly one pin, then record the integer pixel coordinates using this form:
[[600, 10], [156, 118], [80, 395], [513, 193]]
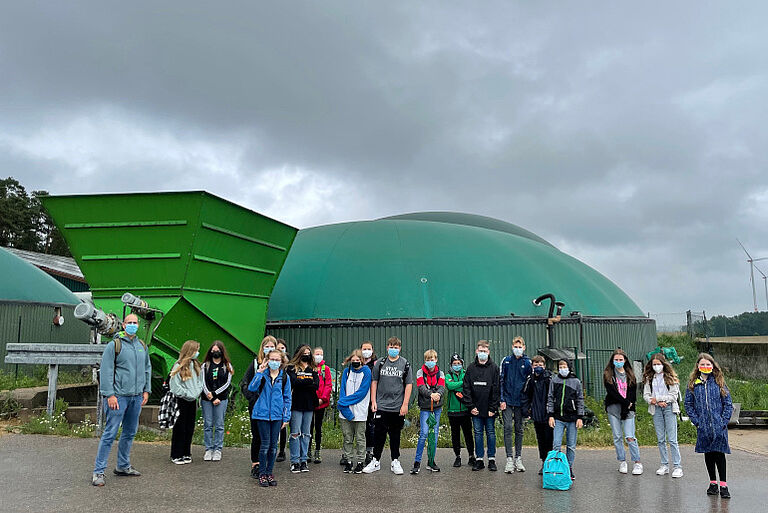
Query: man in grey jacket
[[126, 383]]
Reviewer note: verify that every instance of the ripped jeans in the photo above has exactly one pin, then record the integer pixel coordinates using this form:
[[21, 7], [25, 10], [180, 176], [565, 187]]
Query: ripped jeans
[[300, 435], [624, 429]]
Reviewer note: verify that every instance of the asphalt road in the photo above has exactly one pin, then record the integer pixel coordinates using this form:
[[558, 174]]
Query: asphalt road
[[52, 474]]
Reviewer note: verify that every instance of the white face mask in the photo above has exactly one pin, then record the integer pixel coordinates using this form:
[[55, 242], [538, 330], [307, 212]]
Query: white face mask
[[564, 372], [658, 368], [482, 356], [367, 353], [518, 351], [318, 358]]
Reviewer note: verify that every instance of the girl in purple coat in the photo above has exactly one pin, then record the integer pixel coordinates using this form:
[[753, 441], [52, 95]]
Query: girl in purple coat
[[708, 405]]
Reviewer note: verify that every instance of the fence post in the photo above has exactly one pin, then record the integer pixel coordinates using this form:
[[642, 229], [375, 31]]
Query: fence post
[[689, 323], [53, 376]]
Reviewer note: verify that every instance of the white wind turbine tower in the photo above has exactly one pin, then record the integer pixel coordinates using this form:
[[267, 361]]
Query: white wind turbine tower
[[765, 284], [752, 273]]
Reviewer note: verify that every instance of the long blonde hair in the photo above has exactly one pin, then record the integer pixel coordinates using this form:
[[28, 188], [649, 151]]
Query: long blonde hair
[[717, 374], [186, 355], [260, 356]]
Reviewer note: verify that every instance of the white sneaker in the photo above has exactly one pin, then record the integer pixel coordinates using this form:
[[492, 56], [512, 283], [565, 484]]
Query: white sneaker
[[396, 468], [208, 455], [623, 467], [519, 464], [510, 466], [637, 469], [663, 470], [178, 461], [216, 455], [677, 472], [372, 467]]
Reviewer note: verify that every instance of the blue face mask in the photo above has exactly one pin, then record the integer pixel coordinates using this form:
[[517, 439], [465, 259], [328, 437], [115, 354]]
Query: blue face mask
[[273, 364], [197, 353], [457, 367], [564, 372], [430, 364], [618, 365], [267, 350], [518, 351], [131, 329], [538, 370], [393, 352]]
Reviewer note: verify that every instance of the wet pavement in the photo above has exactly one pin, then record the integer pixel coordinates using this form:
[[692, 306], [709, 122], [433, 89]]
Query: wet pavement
[[52, 474]]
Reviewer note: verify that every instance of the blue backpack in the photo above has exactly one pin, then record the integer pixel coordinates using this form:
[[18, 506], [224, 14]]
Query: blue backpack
[[557, 472]]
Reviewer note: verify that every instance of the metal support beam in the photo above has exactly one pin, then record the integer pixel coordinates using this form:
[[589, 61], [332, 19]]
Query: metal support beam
[[53, 377]]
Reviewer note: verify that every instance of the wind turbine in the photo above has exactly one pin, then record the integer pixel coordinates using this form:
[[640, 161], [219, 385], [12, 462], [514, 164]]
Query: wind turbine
[[752, 272], [765, 283]]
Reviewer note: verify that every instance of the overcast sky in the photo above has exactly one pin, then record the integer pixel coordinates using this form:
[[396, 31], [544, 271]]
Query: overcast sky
[[632, 137]]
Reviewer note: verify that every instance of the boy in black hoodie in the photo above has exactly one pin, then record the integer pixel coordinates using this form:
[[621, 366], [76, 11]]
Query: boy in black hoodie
[[535, 393], [482, 394], [565, 407]]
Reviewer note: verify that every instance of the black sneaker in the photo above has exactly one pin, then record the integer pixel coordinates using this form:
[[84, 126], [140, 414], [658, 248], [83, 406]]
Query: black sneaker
[[271, 480], [492, 465], [343, 461], [280, 456], [295, 468], [573, 477], [724, 493], [433, 467], [368, 458], [348, 468], [303, 467], [472, 461], [263, 481], [541, 470], [713, 489], [416, 467], [457, 461], [359, 468], [255, 471], [479, 465]]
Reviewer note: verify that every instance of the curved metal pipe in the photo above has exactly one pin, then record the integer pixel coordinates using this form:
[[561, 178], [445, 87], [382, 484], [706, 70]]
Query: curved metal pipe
[[552, 302]]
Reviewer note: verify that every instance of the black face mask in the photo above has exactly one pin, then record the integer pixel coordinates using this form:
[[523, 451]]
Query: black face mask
[[306, 358], [355, 365], [215, 354]]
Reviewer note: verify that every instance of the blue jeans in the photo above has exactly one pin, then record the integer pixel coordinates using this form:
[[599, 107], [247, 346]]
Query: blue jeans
[[269, 431], [300, 435], [424, 431], [480, 425], [213, 424], [128, 415], [665, 422], [624, 429], [569, 428]]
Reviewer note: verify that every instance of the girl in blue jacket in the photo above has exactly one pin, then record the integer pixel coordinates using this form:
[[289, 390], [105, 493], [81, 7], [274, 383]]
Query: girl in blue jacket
[[708, 405], [272, 412]]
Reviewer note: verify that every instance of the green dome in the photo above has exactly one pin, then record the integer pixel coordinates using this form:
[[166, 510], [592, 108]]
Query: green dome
[[22, 281], [434, 264]]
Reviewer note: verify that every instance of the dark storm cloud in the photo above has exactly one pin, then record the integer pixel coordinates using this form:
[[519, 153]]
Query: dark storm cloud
[[630, 136]]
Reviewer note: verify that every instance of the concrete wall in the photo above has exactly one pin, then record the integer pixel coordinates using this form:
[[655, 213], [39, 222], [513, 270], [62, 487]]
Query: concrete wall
[[747, 359]]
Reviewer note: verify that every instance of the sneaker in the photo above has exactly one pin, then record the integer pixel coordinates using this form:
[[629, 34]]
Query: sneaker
[[343, 461], [663, 470], [637, 469], [713, 489], [208, 456], [433, 467], [98, 480], [510, 466], [479, 465], [457, 461], [216, 455], [317, 459], [359, 468], [724, 493], [263, 481], [372, 467], [271, 480], [677, 472], [573, 477], [280, 456], [255, 471], [623, 467], [368, 457], [492, 465], [303, 467], [472, 461], [130, 471], [416, 467], [519, 464], [187, 459], [541, 470], [295, 468], [348, 468], [178, 461], [396, 468]]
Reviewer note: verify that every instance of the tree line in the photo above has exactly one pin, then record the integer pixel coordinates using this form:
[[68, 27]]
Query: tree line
[[742, 325], [24, 223]]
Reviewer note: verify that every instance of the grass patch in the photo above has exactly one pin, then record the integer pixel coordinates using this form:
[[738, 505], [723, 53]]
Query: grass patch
[[37, 376]]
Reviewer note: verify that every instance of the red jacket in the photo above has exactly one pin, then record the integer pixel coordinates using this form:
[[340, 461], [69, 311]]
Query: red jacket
[[325, 388]]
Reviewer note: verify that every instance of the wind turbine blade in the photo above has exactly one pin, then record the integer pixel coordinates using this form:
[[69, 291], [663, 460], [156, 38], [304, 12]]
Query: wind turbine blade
[[761, 272], [745, 249]]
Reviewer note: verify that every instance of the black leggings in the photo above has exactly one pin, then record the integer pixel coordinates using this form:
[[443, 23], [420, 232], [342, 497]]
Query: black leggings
[[715, 459], [183, 429], [544, 437], [369, 429], [255, 441], [458, 424], [317, 428], [283, 439]]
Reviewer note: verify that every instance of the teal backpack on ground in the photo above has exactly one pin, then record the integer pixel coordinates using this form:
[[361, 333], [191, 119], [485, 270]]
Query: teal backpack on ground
[[557, 472]]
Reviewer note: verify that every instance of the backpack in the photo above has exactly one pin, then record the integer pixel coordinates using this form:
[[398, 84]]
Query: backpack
[[169, 409], [557, 472]]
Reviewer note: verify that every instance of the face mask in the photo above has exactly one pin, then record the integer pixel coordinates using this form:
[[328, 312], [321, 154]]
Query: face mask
[[393, 352], [482, 356], [430, 364], [131, 329], [197, 353], [306, 358], [618, 365], [518, 351], [538, 370], [318, 358], [215, 354], [274, 364], [367, 353], [355, 365], [268, 349], [457, 367], [658, 368], [564, 372], [705, 370]]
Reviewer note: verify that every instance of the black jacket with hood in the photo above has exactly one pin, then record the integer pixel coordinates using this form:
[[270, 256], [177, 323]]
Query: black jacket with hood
[[535, 392], [565, 401], [612, 396], [482, 388]]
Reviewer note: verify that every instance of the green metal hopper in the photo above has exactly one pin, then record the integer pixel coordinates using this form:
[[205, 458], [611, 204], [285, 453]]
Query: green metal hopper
[[208, 264]]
